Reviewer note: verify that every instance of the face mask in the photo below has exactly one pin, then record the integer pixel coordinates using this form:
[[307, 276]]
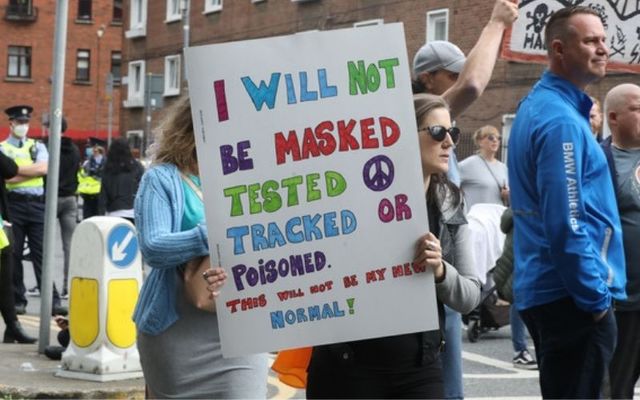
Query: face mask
[[21, 130], [98, 158], [88, 152]]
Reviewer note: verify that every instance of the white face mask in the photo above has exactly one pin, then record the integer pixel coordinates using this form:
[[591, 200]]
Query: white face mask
[[21, 130]]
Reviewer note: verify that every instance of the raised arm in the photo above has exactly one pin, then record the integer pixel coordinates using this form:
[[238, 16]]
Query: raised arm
[[478, 68]]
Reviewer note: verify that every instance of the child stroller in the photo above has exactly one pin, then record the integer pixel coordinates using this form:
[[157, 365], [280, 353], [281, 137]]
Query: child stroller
[[491, 314]]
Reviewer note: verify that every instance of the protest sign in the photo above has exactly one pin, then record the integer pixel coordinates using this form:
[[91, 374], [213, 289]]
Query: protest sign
[[621, 20], [309, 159]]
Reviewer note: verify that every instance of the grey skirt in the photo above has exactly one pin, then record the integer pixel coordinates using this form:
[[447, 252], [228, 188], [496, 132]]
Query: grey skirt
[[185, 361]]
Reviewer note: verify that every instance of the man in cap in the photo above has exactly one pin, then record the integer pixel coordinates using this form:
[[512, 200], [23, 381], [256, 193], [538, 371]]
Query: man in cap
[[26, 200], [441, 68]]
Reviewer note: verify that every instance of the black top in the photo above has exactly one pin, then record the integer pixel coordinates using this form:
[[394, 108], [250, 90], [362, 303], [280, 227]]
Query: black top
[[69, 165], [8, 169], [118, 189]]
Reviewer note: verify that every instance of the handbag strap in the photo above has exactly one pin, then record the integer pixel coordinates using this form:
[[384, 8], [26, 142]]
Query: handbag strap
[[192, 185], [491, 172]]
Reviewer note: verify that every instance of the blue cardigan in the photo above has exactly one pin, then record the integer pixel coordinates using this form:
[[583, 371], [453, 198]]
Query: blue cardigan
[[159, 207]]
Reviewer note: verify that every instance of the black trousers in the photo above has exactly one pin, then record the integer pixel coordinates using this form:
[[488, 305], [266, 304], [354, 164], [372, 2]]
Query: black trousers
[[7, 304], [333, 375], [625, 365], [573, 350], [89, 206], [27, 218]]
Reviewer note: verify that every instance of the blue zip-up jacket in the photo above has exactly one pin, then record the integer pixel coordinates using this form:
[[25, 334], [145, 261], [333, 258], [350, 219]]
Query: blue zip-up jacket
[[567, 237], [159, 207]]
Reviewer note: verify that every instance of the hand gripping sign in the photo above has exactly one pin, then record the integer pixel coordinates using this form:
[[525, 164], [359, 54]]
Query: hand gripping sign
[[313, 187]]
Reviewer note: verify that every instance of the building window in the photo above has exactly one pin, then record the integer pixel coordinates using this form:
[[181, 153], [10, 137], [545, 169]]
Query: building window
[[172, 75], [173, 10], [137, 19], [84, 10], [117, 11], [212, 6], [135, 79], [20, 8], [369, 22], [438, 25], [83, 65], [116, 67], [19, 62]]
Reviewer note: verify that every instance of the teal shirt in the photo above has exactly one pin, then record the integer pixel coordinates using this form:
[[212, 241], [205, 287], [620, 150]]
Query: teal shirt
[[193, 206]]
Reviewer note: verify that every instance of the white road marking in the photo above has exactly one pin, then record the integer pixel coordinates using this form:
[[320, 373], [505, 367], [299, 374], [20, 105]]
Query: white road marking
[[513, 373]]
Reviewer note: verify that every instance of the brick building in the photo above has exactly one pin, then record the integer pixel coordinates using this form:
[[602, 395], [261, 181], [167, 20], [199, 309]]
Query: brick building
[[94, 38], [154, 37]]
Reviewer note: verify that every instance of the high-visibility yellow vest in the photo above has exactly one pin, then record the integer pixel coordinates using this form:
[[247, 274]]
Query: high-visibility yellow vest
[[22, 157], [87, 184]]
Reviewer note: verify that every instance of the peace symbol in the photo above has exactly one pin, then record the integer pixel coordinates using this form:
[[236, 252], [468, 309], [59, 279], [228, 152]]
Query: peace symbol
[[378, 173]]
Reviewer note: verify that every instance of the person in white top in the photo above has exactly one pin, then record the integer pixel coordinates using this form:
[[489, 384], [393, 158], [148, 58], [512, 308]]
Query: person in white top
[[483, 178]]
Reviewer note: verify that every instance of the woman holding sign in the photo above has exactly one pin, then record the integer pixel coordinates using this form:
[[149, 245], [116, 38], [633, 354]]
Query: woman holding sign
[[179, 343], [408, 366]]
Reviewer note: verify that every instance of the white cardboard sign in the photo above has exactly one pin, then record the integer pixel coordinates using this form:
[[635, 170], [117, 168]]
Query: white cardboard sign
[[310, 166]]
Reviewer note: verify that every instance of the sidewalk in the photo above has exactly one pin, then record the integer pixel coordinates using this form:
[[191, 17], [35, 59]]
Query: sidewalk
[[26, 374]]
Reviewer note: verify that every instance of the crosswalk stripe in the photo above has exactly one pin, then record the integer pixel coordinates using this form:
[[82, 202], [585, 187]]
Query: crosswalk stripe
[[514, 373]]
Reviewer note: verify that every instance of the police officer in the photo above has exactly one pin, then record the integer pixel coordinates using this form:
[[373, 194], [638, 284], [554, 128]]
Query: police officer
[[26, 201]]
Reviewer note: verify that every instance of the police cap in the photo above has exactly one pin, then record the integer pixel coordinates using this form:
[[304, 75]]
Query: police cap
[[19, 113]]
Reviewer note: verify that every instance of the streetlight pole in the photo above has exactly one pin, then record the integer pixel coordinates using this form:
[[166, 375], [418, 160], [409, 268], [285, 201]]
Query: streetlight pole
[[185, 7], [100, 33]]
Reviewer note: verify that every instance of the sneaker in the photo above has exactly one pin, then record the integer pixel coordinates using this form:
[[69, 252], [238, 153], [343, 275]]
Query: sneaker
[[524, 360], [64, 295], [33, 292]]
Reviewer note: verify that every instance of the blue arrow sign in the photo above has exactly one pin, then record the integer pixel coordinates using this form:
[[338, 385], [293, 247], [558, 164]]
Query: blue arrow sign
[[122, 245]]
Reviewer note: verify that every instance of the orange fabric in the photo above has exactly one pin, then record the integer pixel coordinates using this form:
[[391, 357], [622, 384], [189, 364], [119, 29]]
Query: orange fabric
[[291, 366]]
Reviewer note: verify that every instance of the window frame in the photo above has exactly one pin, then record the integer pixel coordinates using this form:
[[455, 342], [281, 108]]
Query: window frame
[[209, 7], [168, 89], [173, 16], [78, 77], [113, 12], [433, 18], [135, 98], [84, 17], [369, 22], [137, 19], [117, 80], [28, 57]]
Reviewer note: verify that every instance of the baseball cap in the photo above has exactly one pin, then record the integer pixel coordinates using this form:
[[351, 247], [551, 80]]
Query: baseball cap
[[438, 54]]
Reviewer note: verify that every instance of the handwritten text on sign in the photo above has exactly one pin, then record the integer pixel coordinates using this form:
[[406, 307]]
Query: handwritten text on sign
[[309, 160]]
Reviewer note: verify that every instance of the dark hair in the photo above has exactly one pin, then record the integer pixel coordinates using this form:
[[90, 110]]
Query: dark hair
[[119, 157], [557, 26], [63, 125], [439, 184]]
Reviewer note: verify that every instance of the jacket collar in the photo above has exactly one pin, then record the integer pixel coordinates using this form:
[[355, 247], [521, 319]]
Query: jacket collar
[[570, 92]]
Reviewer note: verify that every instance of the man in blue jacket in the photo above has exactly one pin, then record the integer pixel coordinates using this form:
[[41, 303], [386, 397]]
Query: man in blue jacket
[[568, 245]]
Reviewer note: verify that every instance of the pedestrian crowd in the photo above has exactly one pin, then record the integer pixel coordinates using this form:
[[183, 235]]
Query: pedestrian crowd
[[105, 184], [563, 216]]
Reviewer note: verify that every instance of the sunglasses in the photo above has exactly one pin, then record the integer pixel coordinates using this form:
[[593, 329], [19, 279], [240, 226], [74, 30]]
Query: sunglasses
[[493, 137], [438, 132]]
